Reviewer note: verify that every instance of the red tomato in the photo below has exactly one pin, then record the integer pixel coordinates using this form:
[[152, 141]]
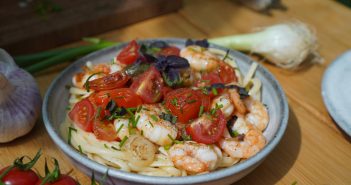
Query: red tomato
[[63, 180], [166, 90], [129, 54], [110, 81], [104, 130], [210, 78], [205, 100], [17, 176], [148, 85], [82, 115], [207, 80], [183, 103], [226, 73], [171, 50], [124, 97], [207, 129]]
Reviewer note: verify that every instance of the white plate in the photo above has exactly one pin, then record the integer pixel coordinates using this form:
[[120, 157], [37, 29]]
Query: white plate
[[336, 91]]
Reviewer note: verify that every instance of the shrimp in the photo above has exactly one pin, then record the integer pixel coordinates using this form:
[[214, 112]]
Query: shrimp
[[257, 115], [157, 130], [239, 105], [199, 58], [79, 79], [195, 157], [121, 126], [224, 101], [246, 147]]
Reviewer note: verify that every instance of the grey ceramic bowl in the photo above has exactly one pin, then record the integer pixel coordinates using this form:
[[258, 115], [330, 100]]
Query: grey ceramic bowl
[[56, 100]]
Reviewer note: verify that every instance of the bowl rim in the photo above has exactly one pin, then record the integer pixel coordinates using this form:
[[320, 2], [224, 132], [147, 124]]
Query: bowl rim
[[133, 177]]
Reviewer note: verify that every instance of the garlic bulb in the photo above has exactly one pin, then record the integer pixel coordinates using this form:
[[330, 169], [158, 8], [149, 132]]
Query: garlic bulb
[[20, 100]]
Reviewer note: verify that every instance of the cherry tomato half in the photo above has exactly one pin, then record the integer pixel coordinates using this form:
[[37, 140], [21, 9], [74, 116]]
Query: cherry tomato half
[[104, 130], [124, 97], [226, 73], [149, 85], [207, 129], [184, 103], [17, 176], [171, 50], [82, 115], [63, 180], [207, 80], [129, 54], [110, 81]]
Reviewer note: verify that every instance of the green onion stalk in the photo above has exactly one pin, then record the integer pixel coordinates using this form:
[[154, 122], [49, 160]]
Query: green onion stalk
[[286, 45]]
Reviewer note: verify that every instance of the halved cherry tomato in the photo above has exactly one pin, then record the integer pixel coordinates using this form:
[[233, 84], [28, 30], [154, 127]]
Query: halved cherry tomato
[[171, 50], [184, 103], [207, 80], [63, 180], [207, 129], [17, 176], [124, 97], [110, 81], [166, 90], [129, 54], [149, 85], [104, 130], [82, 115], [205, 100], [226, 73]]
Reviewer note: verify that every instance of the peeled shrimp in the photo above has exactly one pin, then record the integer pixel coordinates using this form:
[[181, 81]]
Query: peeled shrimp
[[224, 101], [239, 105], [199, 58], [121, 126], [195, 157], [257, 115], [157, 130], [252, 143]]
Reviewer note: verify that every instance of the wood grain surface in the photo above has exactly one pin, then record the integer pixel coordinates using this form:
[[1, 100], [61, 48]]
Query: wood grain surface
[[313, 150], [25, 30]]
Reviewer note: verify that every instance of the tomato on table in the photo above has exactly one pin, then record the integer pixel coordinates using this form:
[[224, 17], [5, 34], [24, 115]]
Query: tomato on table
[[149, 85], [82, 115], [110, 81], [124, 97], [184, 103], [129, 54], [104, 130], [207, 129], [170, 50], [17, 176], [63, 180]]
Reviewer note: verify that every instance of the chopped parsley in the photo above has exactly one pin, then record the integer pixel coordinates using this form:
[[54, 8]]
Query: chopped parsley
[[105, 145], [167, 147], [70, 129], [174, 102], [151, 124], [201, 111], [191, 101], [113, 147], [214, 91], [123, 141], [168, 117], [119, 128], [80, 149], [87, 83], [154, 117]]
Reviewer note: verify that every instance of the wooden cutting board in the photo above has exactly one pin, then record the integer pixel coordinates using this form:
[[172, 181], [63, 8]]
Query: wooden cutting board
[[33, 25]]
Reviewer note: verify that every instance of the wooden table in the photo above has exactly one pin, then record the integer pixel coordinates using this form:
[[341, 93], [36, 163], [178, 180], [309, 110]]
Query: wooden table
[[313, 150]]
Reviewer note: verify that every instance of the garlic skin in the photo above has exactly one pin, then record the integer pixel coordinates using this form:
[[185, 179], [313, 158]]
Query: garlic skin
[[20, 100]]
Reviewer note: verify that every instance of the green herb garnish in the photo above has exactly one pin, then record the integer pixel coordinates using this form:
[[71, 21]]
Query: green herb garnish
[[154, 117], [123, 141], [87, 83], [80, 149], [201, 111], [119, 128], [70, 129]]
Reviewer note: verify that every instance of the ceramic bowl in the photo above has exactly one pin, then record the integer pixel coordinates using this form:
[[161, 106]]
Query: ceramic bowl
[[56, 101]]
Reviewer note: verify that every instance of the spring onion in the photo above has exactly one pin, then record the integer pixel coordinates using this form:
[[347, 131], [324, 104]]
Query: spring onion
[[286, 45]]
